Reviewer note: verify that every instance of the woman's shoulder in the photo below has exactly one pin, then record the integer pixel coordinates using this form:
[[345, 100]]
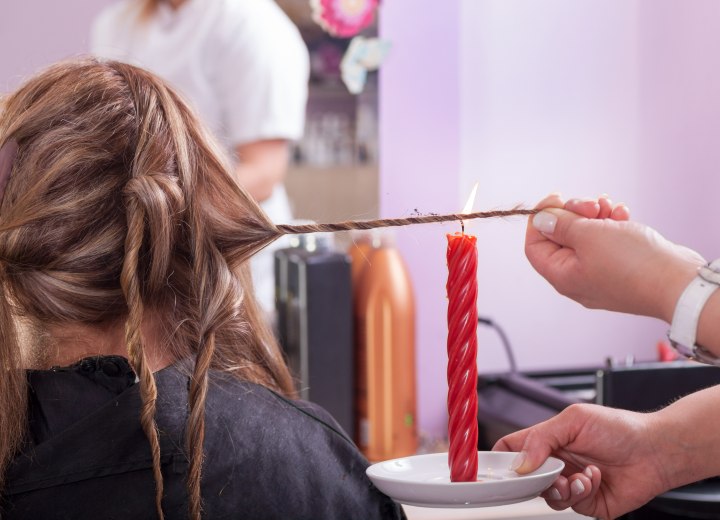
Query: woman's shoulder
[[241, 408], [258, 442], [252, 405]]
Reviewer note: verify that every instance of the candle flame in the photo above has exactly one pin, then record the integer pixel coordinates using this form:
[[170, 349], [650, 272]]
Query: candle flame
[[471, 200]]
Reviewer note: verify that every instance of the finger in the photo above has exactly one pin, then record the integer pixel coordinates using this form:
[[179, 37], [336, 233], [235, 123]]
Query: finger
[[580, 489], [585, 503], [535, 450], [536, 244], [595, 476], [606, 206], [559, 491], [554, 200], [555, 224], [547, 437], [588, 208], [551, 201], [512, 442], [620, 212]]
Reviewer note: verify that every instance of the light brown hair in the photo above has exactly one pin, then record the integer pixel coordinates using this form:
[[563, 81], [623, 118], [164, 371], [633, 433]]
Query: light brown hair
[[147, 8], [119, 206]]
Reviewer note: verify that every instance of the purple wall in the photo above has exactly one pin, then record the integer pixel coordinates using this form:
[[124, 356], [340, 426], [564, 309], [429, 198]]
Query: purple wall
[[549, 95], [553, 95], [420, 168], [36, 33], [679, 46]]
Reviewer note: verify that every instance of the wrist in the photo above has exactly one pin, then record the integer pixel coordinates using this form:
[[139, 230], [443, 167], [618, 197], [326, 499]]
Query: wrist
[[673, 456], [684, 438]]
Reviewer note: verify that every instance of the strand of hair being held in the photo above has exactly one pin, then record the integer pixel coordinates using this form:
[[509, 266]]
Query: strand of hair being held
[[350, 225]]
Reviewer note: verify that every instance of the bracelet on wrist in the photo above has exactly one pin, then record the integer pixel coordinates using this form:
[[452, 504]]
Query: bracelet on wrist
[[683, 330]]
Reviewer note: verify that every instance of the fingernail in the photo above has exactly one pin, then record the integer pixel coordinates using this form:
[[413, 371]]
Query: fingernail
[[518, 461], [588, 472], [578, 488], [545, 222], [555, 494]]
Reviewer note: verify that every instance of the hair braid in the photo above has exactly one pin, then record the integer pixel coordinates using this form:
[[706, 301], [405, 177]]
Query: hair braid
[[133, 337], [196, 422], [195, 434]]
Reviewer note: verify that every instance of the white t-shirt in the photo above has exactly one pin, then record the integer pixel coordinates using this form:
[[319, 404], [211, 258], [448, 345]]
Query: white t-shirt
[[241, 64]]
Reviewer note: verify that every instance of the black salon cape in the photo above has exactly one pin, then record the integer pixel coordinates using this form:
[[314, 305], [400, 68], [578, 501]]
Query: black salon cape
[[266, 457]]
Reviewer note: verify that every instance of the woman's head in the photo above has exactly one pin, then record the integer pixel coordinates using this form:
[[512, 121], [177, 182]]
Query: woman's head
[[118, 207]]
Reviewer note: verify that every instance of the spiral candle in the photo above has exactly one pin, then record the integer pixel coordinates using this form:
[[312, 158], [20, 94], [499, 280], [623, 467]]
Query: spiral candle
[[462, 357]]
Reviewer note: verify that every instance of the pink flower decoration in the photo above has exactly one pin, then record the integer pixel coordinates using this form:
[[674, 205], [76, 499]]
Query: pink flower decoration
[[343, 18]]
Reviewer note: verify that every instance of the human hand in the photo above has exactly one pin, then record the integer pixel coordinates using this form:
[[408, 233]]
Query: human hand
[[612, 459], [589, 251]]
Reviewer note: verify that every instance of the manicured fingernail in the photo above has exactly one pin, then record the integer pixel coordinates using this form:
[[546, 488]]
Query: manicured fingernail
[[578, 488], [588, 472], [545, 222], [518, 461], [555, 494]]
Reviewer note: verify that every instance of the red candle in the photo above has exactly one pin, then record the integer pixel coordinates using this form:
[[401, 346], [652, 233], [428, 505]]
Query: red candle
[[462, 357]]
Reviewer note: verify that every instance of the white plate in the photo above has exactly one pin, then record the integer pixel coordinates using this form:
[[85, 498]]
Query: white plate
[[424, 480]]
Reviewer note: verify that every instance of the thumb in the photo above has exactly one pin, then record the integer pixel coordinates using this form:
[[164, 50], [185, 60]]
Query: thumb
[[546, 438], [558, 225], [534, 452]]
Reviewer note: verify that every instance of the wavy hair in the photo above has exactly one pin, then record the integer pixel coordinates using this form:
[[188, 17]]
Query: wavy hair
[[120, 207]]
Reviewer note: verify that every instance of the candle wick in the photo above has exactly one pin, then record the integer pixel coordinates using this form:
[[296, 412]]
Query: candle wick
[[462, 225]]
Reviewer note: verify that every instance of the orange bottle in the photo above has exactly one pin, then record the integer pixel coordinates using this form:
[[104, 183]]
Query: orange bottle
[[385, 356], [359, 253]]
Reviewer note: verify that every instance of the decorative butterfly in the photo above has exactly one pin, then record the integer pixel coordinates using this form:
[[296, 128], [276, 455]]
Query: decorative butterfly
[[363, 54]]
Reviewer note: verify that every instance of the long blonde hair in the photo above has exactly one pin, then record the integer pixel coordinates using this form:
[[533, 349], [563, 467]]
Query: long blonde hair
[[119, 205]]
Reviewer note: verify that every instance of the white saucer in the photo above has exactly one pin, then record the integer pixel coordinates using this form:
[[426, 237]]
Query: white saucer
[[424, 480]]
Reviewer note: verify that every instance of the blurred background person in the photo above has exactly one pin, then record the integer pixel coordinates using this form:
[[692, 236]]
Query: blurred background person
[[244, 67]]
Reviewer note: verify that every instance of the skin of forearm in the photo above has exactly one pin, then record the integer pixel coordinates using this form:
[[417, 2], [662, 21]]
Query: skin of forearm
[[257, 180], [685, 437], [263, 165]]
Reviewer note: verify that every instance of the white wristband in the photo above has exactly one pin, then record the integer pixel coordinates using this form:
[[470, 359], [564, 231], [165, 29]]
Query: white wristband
[[683, 330]]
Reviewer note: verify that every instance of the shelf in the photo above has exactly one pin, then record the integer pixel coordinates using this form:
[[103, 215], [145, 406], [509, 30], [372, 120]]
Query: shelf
[[333, 193]]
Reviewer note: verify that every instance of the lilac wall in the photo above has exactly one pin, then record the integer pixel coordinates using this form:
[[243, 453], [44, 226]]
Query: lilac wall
[[582, 97], [679, 45], [36, 33], [549, 97], [420, 167]]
